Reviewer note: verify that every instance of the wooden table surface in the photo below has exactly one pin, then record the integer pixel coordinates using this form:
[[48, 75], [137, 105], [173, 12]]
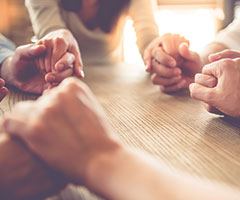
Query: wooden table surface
[[174, 129]]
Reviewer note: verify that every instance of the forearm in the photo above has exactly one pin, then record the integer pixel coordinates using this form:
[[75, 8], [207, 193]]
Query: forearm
[[22, 176], [125, 175]]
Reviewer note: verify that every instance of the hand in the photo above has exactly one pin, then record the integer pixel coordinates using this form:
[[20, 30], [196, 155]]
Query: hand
[[22, 70], [219, 86], [171, 62], [66, 128], [58, 43], [3, 90], [211, 81], [228, 53]]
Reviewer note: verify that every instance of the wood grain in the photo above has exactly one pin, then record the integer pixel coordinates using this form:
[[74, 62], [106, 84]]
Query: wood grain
[[173, 128]]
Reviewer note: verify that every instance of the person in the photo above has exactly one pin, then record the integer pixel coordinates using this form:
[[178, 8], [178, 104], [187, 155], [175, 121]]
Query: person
[[92, 156], [95, 25], [23, 67], [174, 66]]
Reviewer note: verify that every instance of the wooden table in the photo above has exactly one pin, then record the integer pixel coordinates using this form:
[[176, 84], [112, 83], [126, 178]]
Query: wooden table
[[174, 129]]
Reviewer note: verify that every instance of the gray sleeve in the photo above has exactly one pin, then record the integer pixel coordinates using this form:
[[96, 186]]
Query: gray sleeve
[[230, 36], [6, 48]]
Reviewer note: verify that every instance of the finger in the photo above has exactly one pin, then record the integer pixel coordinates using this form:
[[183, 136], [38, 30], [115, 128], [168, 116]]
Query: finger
[[148, 59], [213, 110], [186, 53], [165, 81], [47, 59], [31, 51], [224, 54], [14, 126], [205, 94], [65, 62], [164, 71], [57, 77], [2, 83], [163, 58], [78, 65], [215, 68], [59, 49], [206, 80], [148, 53], [182, 84], [3, 93]]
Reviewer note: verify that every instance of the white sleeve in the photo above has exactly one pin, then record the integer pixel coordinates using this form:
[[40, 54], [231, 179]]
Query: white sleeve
[[141, 12], [45, 16], [230, 36]]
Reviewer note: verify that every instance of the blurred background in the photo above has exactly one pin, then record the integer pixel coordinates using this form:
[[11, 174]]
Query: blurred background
[[197, 20]]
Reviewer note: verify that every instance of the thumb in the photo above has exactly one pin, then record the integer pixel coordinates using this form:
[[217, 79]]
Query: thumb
[[31, 51], [13, 126], [148, 58], [78, 65], [186, 53]]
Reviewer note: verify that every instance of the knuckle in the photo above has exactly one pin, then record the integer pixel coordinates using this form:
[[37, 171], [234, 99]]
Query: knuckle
[[227, 51], [197, 77], [193, 90], [60, 41], [36, 126], [210, 96], [226, 63]]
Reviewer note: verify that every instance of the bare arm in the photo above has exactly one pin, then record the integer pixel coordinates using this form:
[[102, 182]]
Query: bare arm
[[125, 175], [80, 144], [23, 176]]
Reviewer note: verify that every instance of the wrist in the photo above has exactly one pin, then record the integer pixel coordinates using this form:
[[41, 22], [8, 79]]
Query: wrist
[[101, 166]]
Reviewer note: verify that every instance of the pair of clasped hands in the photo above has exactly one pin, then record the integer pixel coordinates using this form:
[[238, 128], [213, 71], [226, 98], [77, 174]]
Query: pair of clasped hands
[[35, 68], [174, 66]]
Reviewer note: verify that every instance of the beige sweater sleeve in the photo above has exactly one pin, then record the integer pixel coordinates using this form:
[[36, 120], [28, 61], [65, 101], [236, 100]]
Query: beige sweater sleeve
[[230, 36], [141, 12], [45, 16]]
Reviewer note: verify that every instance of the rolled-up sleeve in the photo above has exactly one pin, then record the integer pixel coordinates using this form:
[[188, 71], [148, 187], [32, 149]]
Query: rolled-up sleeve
[[45, 16], [230, 36], [141, 12], [6, 48]]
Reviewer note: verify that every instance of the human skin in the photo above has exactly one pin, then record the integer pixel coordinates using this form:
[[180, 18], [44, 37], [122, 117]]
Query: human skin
[[218, 84], [172, 64], [3, 89], [22, 173], [79, 143], [23, 69], [58, 43]]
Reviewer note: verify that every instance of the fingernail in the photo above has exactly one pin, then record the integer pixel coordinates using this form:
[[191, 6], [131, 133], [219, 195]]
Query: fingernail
[[51, 78], [173, 63], [177, 71], [82, 74]]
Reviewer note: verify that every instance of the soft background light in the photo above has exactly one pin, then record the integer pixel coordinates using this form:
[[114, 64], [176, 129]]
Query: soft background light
[[196, 24]]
